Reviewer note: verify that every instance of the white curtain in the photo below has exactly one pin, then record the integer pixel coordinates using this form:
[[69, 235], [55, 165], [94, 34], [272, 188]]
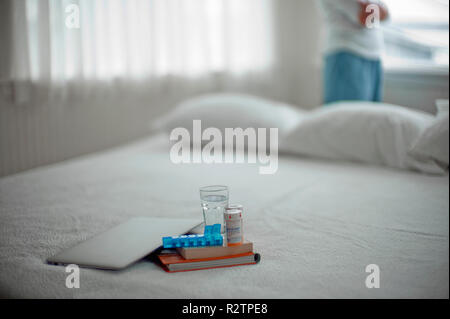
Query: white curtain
[[140, 39]]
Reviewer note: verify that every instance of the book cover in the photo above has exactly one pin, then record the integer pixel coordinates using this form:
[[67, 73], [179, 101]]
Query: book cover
[[214, 251], [175, 262]]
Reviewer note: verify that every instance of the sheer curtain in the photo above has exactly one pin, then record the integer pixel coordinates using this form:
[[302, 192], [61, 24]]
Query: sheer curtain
[[418, 34], [140, 39]]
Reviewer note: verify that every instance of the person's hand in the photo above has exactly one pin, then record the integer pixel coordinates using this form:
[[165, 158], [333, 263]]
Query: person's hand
[[363, 14]]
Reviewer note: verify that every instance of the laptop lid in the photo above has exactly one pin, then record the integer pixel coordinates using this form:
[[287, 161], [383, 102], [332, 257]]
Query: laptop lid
[[124, 244]]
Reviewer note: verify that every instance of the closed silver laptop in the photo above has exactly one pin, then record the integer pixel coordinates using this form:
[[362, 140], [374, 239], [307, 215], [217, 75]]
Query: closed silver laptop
[[124, 244]]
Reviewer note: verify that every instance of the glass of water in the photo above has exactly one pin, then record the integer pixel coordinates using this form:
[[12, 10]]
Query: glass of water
[[214, 202]]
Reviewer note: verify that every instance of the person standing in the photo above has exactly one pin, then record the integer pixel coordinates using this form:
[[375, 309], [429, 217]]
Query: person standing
[[354, 45]]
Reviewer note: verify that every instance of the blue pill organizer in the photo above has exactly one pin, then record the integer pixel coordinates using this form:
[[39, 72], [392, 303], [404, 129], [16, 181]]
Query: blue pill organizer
[[211, 237]]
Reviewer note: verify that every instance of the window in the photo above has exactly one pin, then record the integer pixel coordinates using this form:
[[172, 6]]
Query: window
[[144, 38], [417, 34]]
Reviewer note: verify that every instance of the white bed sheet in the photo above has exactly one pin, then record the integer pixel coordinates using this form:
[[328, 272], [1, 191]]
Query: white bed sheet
[[316, 224]]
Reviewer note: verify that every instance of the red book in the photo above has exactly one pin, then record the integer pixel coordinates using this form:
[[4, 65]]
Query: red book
[[175, 262]]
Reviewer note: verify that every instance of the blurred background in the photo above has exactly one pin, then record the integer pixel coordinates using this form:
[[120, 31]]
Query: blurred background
[[82, 76]]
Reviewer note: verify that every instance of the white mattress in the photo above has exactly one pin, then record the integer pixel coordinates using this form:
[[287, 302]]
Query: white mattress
[[316, 224]]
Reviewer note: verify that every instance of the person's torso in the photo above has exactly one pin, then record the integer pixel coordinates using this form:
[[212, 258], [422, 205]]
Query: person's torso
[[345, 33]]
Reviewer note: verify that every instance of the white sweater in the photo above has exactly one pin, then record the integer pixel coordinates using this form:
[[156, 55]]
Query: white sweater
[[344, 32]]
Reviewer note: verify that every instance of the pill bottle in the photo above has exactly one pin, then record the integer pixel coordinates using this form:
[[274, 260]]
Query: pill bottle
[[233, 225]]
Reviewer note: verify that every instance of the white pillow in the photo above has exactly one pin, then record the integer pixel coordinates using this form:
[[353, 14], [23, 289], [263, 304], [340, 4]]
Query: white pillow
[[442, 106], [368, 132], [228, 110], [433, 143]]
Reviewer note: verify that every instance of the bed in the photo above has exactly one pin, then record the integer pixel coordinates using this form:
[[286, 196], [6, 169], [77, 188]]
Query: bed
[[316, 223]]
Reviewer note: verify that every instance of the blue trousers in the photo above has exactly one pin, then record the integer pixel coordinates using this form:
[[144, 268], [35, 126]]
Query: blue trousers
[[348, 76]]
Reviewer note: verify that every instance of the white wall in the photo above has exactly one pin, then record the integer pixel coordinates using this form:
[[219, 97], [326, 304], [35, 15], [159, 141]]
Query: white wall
[[299, 30]]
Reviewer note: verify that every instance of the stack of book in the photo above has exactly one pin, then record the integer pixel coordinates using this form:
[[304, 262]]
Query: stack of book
[[196, 258]]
